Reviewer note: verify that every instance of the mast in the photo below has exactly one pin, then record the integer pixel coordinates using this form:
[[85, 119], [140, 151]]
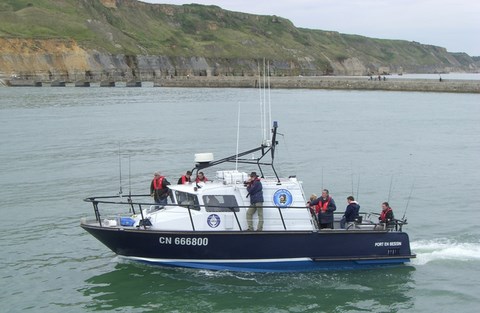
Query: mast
[[239, 156]]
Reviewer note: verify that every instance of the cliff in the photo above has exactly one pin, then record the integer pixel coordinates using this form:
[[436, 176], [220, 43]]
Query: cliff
[[125, 39]]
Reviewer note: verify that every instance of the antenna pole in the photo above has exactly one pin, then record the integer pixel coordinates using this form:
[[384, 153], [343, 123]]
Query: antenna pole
[[264, 108], [260, 95], [269, 100]]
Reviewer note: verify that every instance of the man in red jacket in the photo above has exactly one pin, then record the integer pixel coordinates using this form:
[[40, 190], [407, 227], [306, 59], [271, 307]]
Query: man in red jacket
[[159, 188]]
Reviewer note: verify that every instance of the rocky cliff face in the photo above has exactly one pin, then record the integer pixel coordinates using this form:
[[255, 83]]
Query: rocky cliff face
[[41, 58], [128, 39], [56, 59]]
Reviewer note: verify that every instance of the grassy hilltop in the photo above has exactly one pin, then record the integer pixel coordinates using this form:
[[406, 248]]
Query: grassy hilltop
[[133, 28]]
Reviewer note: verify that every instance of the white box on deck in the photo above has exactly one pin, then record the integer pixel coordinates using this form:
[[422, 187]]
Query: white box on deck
[[203, 157], [231, 177]]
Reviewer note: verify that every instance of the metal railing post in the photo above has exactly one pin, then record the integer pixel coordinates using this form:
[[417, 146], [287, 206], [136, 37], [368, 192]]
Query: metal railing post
[[281, 216]]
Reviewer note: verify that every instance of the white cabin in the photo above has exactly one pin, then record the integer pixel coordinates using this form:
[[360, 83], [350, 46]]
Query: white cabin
[[221, 205]]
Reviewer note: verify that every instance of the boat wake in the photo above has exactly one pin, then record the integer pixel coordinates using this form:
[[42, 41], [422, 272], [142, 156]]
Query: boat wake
[[225, 274], [444, 249]]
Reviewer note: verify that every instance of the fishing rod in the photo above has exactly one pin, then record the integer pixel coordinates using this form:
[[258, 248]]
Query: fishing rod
[[120, 192], [129, 177], [238, 135], [358, 186], [322, 177], [351, 176], [390, 189], [131, 208], [408, 201]]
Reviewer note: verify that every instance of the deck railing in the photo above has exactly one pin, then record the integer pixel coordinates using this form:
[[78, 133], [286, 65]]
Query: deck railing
[[365, 221], [139, 205]]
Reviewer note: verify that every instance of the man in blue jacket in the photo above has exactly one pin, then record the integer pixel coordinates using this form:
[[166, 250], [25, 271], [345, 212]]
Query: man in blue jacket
[[351, 212], [255, 192]]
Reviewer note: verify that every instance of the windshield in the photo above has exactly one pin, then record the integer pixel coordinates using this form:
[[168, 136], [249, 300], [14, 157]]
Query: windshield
[[187, 200], [220, 203]]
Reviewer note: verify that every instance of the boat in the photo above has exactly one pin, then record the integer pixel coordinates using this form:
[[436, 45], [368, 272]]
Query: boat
[[205, 226]]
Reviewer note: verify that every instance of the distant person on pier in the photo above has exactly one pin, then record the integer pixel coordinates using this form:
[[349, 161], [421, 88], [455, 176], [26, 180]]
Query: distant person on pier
[[159, 189], [255, 192], [201, 178], [351, 212], [325, 205], [185, 179]]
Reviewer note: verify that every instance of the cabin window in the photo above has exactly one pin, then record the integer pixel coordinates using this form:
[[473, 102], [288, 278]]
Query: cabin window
[[220, 203], [187, 200]]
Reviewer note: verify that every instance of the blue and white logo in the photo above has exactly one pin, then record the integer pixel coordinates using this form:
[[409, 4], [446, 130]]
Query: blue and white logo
[[282, 198], [213, 220]]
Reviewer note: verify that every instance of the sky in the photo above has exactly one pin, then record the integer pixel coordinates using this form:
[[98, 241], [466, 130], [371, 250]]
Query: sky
[[452, 24]]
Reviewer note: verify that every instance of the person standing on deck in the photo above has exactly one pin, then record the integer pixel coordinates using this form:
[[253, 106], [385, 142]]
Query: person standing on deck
[[351, 212], [255, 192], [159, 188], [325, 206]]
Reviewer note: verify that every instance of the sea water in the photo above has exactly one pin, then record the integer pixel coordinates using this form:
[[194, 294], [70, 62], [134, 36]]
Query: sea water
[[419, 151]]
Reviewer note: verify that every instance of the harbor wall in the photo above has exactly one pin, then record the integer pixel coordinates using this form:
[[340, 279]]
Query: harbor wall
[[326, 82], [319, 82]]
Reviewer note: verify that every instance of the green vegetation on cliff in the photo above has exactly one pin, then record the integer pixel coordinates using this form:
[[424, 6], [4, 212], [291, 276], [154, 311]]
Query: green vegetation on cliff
[[131, 27]]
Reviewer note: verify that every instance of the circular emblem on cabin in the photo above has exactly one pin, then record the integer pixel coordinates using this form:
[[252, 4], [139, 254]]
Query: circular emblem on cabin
[[213, 220], [282, 198]]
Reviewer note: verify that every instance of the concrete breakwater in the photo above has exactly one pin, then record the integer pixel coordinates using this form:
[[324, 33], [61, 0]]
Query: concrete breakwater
[[311, 82], [325, 82]]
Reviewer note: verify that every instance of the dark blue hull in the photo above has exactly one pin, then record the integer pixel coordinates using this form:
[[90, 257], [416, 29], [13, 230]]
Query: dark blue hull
[[258, 251]]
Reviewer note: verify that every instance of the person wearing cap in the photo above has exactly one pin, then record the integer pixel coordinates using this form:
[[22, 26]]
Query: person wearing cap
[[185, 179], [159, 188], [255, 192]]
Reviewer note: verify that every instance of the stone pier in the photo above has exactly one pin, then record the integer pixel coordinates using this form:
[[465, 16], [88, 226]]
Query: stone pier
[[325, 82]]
